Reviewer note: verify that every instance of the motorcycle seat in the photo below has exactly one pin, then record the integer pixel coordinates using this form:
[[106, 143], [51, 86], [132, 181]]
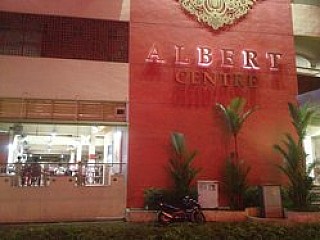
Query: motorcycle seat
[[173, 208]]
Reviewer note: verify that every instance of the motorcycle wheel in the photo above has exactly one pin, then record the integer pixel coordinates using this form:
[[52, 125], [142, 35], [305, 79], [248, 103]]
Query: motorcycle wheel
[[163, 219], [198, 217]]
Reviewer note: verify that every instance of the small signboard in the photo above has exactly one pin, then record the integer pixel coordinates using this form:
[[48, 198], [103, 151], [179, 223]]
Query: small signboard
[[208, 194], [272, 201]]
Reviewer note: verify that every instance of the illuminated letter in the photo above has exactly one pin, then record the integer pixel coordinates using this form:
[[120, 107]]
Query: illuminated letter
[[181, 77], [178, 56], [227, 58], [204, 56], [153, 55], [238, 80], [225, 77], [274, 66], [208, 77], [250, 59], [252, 81], [196, 78]]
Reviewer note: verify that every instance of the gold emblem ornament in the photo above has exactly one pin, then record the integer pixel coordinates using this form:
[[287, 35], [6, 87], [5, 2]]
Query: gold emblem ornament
[[217, 13]]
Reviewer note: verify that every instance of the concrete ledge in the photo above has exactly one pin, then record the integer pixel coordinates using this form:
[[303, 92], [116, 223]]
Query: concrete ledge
[[275, 221], [303, 217], [292, 218], [253, 211], [142, 215], [225, 216]]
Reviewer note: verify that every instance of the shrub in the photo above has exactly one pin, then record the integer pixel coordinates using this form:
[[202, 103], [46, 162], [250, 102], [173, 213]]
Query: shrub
[[181, 168], [294, 156], [235, 182], [182, 173], [187, 231], [152, 197], [252, 197], [235, 172]]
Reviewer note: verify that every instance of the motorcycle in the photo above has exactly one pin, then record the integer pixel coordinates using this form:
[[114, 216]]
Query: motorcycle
[[190, 211]]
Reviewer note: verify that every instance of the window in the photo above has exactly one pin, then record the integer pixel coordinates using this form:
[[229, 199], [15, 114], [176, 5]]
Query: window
[[63, 37]]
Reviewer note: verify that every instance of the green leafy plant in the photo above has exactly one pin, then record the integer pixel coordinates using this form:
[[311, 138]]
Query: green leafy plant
[[117, 230], [182, 173], [301, 117], [181, 169], [235, 182], [294, 156], [152, 196], [252, 197], [235, 172], [235, 116]]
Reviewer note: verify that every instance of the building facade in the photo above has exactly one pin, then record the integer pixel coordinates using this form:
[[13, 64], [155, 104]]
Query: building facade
[[307, 42], [64, 96], [92, 90], [180, 68]]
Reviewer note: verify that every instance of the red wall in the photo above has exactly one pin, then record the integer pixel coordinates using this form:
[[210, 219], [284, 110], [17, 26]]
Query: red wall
[[154, 113]]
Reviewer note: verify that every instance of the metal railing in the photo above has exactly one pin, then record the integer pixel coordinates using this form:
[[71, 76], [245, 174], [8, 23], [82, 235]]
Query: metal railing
[[37, 174]]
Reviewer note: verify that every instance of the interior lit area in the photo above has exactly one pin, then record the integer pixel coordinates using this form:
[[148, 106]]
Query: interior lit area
[[62, 147], [312, 149]]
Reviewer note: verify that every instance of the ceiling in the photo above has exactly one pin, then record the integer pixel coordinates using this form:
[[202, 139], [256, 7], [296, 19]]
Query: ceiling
[[307, 2], [48, 140], [40, 129], [308, 47]]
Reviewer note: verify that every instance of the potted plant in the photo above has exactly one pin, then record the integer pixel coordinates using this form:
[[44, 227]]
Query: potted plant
[[298, 191], [182, 173], [235, 172], [181, 168]]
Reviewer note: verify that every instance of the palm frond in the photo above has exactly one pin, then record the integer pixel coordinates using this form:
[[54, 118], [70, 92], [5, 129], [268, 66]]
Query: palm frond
[[294, 156], [234, 115], [237, 104], [177, 141], [180, 164], [301, 117]]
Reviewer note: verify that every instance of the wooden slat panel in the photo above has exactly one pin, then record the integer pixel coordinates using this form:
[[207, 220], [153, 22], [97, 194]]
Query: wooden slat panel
[[66, 110], [90, 111], [11, 108], [39, 109], [108, 111], [115, 111]]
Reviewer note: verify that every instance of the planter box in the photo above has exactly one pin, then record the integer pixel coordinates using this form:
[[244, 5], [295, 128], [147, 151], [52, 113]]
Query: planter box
[[303, 216], [253, 211], [140, 215], [225, 216]]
